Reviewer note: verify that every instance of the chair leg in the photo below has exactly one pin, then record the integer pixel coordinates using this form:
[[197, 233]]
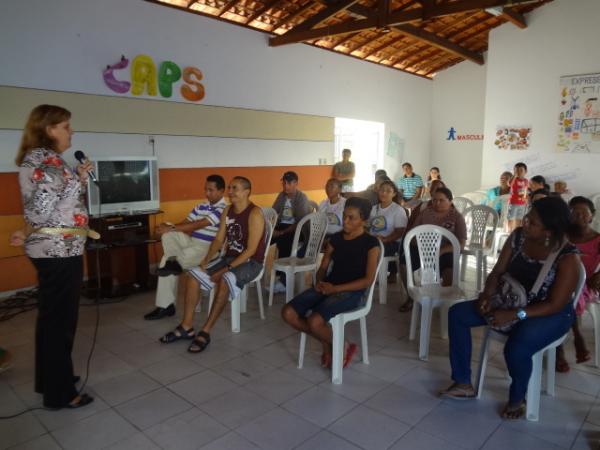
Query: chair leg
[[483, 359], [244, 300], [382, 279], [550, 371], [363, 339], [463, 266], [289, 286], [261, 307], [594, 310], [413, 320], [534, 388], [271, 287], [337, 362], [235, 314], [426, 307], [444, 320], [479, 270], [301, 350]]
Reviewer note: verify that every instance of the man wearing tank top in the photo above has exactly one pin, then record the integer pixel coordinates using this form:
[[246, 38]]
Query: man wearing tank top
[[242, 237]]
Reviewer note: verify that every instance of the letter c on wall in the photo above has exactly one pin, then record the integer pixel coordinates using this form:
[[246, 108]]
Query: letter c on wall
[[143, 74]]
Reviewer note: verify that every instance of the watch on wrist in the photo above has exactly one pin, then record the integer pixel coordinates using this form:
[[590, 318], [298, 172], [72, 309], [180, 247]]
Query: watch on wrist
[[521, 314]]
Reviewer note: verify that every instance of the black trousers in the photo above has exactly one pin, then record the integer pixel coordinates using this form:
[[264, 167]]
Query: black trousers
[[59, 289], [390, 249]]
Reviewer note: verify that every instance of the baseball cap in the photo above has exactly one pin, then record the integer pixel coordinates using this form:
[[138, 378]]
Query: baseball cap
[[290, 176]]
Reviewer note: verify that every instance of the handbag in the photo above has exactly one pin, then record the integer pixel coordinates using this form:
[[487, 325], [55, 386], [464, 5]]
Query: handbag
[[510, 293]]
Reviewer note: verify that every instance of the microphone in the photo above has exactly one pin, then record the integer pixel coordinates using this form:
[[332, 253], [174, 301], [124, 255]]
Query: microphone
[[80, 156]]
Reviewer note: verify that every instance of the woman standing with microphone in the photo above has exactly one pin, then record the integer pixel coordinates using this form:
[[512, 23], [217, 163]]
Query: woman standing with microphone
[[56, 230]]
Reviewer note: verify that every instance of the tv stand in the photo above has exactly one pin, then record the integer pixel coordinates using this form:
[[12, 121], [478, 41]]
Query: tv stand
[[122, 254]]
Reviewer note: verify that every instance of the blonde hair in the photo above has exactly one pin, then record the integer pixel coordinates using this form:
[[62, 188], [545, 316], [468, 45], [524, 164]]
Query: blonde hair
[[34, 133]]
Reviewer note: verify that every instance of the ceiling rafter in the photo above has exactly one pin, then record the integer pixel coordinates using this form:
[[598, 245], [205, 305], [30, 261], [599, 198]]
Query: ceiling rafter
[[287, 19], [267, 5], [514, 17], [230, 4]]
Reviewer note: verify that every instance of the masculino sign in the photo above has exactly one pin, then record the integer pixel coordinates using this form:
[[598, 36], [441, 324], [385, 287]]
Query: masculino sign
[[454, 136]]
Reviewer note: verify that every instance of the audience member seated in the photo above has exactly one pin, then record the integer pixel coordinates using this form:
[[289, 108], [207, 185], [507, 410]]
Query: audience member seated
[[538, 194], [560, 188], [185, 244], [345, 171], [492, 198], [354, 254], [587, 241], [371, 193], [415, 212], [538, 182], [333, 206], [410, 186], [243, 238], [387, 223], [548, 315], [291, 205], [434, 175], [441, 213], [517, 202]]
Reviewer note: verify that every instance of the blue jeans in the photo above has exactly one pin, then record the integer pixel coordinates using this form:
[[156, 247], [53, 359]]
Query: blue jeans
[[327, 306], [525, 339]]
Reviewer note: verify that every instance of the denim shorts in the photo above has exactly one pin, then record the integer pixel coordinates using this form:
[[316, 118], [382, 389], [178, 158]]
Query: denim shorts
[[516, 212], [244, 273], [327, 306]]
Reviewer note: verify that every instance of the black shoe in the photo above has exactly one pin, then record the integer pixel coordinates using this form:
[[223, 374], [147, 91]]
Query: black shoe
[[171, 267], [84, 399], [159, 312]]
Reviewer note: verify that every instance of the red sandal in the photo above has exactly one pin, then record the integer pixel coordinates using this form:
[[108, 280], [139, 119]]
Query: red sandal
[[351, 350]]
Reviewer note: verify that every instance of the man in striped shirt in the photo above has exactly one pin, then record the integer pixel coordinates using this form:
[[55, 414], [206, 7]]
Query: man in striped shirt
[[410, 186], [186, 244]]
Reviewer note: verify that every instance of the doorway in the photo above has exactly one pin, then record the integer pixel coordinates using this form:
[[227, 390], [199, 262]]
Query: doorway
[[366, 140]]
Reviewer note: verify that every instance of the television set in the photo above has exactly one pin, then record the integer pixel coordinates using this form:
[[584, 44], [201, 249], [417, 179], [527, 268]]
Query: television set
[[127, 185]]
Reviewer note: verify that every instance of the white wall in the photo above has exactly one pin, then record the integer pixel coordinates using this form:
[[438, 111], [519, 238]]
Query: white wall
[[523, 71], [65, 44], [458, 101]]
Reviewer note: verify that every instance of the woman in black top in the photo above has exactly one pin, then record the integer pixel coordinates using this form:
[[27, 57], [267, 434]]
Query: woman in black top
[[354, 254]]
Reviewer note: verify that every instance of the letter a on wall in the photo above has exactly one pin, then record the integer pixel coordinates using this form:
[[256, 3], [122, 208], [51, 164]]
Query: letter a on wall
[[143, 75]]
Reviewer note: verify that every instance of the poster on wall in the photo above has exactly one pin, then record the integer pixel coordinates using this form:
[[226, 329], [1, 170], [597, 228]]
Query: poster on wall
[[579, 114], [395, 147], [512, 138]]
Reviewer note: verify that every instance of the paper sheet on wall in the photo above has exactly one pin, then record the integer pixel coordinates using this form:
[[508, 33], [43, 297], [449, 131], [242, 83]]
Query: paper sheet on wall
[[579, 114], [395, 147], [513, 137]]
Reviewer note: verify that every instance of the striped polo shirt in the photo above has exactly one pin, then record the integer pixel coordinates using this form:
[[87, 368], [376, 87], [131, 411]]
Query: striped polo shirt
[[409, 185], [212, 213]]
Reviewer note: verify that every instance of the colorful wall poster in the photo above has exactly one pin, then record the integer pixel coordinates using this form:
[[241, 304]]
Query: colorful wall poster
[[579, 114], [513, 138]]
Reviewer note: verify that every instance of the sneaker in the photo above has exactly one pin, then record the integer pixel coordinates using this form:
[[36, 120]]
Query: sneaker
[[278, 287], [171, 267], [159, 313]]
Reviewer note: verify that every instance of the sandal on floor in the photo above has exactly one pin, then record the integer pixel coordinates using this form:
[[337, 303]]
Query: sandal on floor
[[326, 360], [562, 366], [456, 392], [350, 352], [583, 356], [177, 335], [406, 306], [512, 413], [197, 345]]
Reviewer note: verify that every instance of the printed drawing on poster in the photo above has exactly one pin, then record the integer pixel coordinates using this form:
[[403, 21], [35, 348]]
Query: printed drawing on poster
[[513, 138], [579, 114]]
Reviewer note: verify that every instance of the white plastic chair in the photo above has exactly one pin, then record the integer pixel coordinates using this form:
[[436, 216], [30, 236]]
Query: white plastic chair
[[461, 204], [430, 293], [270, 215], [596, 201], [535, 382], [502, 232], [382, 276], [238, 304], [314, 205], [483, 221], [594, 310], [337, 326], [293, 264]]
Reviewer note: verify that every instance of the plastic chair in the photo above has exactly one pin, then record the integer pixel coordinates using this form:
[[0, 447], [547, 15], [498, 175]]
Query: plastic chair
[[430, 293], [596, 201], [483, 220], [337, 325], [594, 310], [462, 203], [535, 382], [314, 205], [238, 304], [270, 215], [502, 232], [294, 264]]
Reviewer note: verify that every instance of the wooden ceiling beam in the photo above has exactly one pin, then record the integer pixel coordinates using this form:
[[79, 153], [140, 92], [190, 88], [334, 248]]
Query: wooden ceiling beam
[[267, 5], [514, 17], [301, 10], [230, 4], [331, 10]]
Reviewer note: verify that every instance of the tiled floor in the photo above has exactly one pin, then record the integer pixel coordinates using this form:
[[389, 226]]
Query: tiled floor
[[245, 392]]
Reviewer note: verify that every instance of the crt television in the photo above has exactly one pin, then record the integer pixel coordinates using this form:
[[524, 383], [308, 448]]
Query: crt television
[[128, 184]]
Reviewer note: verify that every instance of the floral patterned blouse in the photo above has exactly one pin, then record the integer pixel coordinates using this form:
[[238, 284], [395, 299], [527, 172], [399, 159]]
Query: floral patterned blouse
[[52, 197]]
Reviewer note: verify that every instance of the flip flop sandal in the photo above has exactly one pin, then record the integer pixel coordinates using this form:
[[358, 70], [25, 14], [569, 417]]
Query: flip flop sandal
[[562, 366], [516, 413], [457, 393], [406, 306], [173, 336], [350, 352], [582, 357], [198, 346]]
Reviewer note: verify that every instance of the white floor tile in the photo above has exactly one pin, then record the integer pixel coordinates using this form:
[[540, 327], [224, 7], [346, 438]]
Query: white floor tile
[[278, 386], [172, 369], [319, 406], [117, 390], [231, 441], [152, 408], [19, 429], [44, 442], [202, 387], [417, 440], [327, 440], [506, 437], [403, 404]]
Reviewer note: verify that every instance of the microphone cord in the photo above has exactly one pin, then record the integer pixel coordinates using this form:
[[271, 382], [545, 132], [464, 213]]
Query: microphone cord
[[96, 326]]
